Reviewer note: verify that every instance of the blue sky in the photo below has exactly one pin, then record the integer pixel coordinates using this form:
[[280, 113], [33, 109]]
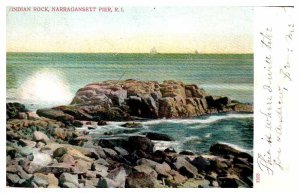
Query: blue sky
[[137, 30]]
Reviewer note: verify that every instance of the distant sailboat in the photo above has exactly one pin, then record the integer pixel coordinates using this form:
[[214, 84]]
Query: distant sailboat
[[153, 51]]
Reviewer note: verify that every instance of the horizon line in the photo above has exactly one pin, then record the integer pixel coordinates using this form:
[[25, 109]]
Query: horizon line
[[126, 53]]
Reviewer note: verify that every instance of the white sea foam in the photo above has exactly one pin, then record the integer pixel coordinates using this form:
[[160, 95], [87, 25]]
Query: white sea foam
[[162, 145], [190, 138], [229, 86], [115, 123], [208, 120], [199, 126], [208, 135]]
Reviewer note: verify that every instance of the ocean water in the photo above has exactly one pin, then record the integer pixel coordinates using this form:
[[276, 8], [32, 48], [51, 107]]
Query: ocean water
[[48, 79], [194, 134]]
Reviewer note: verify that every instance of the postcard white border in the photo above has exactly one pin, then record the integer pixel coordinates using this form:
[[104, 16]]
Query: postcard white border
[[290, 136]]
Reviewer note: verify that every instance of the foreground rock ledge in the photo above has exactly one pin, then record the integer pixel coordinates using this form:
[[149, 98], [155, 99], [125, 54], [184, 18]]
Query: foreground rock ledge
[[132, 99], [42, 152]]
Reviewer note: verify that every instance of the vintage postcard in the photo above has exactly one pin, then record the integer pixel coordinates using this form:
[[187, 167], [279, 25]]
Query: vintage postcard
[[148, 96]]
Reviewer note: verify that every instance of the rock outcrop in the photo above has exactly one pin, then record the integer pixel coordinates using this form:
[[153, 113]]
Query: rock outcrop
[[132, 100]]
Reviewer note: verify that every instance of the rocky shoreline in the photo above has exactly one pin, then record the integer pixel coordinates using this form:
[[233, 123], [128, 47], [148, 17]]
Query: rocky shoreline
[[45, 149], [135, 100]]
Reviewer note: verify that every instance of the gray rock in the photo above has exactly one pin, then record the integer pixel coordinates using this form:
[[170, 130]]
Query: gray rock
[[121, 151], [25, 142], [110, 152], [115, 179], [219, 164], [102, 162], [101, 169], [76, 112], [25, 151], [176, 179], [23, 174], [141, 180], [40, 136], [118, 96], [146, 169], [91, 182], [204, 184], [140, 143], [40, 180], [162, 169], [12, 168], [56, 115], [69, 185], [13, 178], [220, 149], [185, 168], [113, 142], [202, 164], [66, 178]]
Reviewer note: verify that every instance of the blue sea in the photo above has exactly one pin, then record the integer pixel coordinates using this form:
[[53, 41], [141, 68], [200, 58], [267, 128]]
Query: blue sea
[[48, 79]]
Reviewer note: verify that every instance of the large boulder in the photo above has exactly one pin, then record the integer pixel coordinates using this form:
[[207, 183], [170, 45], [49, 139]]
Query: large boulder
[[146, 169], [161, 169], [76, 112], [56, 115], [221, 149], [113, 142], [76, 154], [185, 168], [125, 99], [202, 164], [140, 143]]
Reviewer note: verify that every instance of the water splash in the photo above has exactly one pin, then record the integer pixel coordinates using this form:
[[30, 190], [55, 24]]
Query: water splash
[[45, 87]]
